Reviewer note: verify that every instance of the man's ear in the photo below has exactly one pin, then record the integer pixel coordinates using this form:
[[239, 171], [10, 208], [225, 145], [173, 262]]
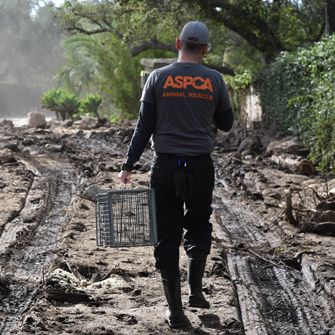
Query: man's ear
[[204, 50], [178, 43]]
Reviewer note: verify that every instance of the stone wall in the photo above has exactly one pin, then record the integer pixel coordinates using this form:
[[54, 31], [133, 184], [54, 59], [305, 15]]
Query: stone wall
[[251, 110]]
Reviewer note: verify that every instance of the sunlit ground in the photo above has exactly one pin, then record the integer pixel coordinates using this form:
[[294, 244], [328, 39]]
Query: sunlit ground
[[21, 121]]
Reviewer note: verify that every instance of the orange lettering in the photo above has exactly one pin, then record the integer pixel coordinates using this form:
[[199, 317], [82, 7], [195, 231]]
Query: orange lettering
[[179, 81], [169, 82], [208, 84], [188, 81], [198, 83], [198, 86]]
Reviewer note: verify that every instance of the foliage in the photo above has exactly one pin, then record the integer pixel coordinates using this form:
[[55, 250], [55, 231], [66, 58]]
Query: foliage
[[241, 81], [106, 42], [107, 37], [297, 92], [238, 86], [240, 55], [49, 99], [268, 26], [68, 104], [64, 103], [139, 24], [90, 105], [101, 52], [81, 68], [101, 63]]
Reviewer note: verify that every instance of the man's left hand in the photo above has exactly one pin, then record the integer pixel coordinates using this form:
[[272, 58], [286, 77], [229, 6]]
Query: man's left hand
[[124, 176]]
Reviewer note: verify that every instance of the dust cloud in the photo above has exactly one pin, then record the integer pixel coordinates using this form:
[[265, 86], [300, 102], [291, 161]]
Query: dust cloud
[[30, 54]]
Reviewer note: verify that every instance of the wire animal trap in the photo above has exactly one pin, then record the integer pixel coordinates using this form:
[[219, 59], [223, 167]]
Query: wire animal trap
[[126, 218]]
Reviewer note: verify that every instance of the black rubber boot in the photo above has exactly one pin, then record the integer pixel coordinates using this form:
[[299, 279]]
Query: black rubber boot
[[196, 269], [174, 315]]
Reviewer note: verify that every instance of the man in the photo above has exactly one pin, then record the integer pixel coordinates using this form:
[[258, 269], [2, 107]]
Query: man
[[179, 104]]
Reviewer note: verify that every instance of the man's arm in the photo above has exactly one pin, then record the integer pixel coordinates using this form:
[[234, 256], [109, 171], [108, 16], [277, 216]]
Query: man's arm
[[224, 115], [224, 119], [144, 128]]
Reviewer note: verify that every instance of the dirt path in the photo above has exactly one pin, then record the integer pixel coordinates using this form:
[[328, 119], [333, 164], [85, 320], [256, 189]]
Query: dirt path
[[274, 298], [28, 242], [55, 280]]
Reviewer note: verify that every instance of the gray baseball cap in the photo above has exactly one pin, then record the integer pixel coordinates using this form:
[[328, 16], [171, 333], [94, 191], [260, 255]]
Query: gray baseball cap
[[195, 32]]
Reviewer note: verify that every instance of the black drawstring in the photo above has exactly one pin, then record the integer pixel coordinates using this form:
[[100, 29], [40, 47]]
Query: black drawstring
[[182, 180]]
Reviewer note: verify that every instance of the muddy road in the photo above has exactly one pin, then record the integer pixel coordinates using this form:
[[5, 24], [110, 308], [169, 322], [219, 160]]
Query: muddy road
[[264, 276]]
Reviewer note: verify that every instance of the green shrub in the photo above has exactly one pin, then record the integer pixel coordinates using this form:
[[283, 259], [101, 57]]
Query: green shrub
[[238, 86], [90, 105], [65, 104], [49, 100], [297, 92]]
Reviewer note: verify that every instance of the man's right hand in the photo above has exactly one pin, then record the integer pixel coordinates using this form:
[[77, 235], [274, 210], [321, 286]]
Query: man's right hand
[[124, 176]]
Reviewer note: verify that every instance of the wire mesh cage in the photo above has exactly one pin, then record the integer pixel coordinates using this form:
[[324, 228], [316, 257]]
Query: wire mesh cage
[[126, 218]]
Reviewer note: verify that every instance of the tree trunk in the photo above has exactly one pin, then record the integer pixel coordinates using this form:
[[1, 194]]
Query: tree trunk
[[293, 163], [330, 17]]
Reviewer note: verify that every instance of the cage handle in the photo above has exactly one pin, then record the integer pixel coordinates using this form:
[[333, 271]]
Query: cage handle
[[131, 184]]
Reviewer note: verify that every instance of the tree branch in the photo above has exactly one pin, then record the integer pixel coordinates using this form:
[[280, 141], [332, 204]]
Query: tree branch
[[253, 28], [86, 31], [322, 30], [222, 69], [152, 44]]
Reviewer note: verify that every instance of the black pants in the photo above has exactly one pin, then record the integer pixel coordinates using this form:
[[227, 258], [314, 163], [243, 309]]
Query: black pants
[[182, 217]]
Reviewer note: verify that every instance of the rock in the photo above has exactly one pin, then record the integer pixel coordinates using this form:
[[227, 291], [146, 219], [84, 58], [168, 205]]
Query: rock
[[61, 276], [12, 146], [101, 166], [112, 284], [36, 120], [331, 186], [54, 147], [326, 205], [251, 144], [306, 167], [103, 122], [255, 182], [7, 156], [52, 124], [324, 228], [325, 216], [7, 124], [62, 286], [4, 285], [230, 141], [289, 145], [89, 134], [67, 123], [92, 191], [85, 123], [293, 162], [84, 207]]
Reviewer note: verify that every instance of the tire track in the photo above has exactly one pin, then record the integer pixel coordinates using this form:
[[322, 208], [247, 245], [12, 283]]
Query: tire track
[[28, 244], [272, 299]]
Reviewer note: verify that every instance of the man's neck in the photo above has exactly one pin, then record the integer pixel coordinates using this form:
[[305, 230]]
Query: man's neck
[[184, 58]]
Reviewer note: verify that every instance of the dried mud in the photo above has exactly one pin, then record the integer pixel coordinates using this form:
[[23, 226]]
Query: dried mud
[[55, 280]]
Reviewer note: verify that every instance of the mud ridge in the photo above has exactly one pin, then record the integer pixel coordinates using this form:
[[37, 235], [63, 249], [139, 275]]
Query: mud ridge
[[276, 300], [29, 250], [272, 299]]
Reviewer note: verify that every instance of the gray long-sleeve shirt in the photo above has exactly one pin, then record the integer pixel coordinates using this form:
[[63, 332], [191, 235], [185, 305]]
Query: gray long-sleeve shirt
[[179, 104]]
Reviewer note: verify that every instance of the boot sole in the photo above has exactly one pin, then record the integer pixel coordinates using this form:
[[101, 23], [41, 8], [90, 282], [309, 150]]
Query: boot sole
[[176, 323]]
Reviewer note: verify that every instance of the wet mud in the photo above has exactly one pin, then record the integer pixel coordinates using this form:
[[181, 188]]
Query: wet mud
[[264, 276]]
